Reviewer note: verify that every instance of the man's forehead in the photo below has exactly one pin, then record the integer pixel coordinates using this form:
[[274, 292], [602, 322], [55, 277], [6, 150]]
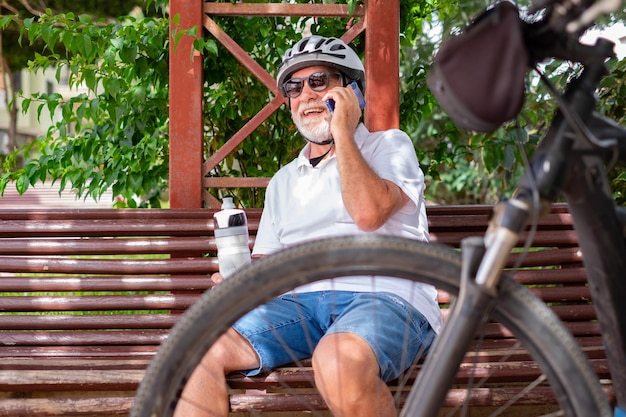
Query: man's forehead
[[305, 72]]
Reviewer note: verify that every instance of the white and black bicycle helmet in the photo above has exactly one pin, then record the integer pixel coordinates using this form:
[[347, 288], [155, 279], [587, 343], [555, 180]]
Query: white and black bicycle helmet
[[319, 50]]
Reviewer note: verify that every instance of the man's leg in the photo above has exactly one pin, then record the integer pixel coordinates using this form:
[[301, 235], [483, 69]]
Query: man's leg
[[206, 393], [280, 333], [347, 376], [372, 338]]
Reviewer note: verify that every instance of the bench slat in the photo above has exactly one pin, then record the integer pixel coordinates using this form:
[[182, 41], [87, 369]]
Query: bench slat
[[545, 238], [573, 275], [100, 303], [106, 283], [497, 372], [88, 322], [569, 313], [100, 227], [119, 406], [70, 380], [93, 352], [68, 246], [275, 402], [76, 364], [561, 256], [67, 407], [481, 397], [112, 266], [85, 338]]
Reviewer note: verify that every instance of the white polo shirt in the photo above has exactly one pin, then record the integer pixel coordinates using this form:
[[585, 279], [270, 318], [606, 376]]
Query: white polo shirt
[[304, 203]]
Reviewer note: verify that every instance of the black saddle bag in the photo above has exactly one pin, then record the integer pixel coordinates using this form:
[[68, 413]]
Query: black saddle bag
[[478, 76]]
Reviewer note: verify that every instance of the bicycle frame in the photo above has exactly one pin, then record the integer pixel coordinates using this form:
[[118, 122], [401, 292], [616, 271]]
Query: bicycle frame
[[570, 160], [600, 230]]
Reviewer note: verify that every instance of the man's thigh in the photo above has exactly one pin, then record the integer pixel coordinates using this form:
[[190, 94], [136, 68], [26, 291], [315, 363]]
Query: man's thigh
[[396, 331], [282, 331]]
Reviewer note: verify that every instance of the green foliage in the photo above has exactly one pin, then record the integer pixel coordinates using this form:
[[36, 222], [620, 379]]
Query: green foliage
[[17, 53], [115, 134], [463, 167], [612, 96]]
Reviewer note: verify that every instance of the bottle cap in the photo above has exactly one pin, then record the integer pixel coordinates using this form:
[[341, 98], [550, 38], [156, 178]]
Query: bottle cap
[[227, 203]]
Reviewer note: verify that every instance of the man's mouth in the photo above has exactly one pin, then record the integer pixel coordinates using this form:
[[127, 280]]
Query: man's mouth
[[316, 110]]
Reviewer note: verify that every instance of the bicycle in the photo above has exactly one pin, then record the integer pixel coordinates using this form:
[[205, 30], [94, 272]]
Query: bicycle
[[570, 159]]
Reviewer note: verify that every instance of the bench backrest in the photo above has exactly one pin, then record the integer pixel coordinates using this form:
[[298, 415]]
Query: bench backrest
[[116, 280]]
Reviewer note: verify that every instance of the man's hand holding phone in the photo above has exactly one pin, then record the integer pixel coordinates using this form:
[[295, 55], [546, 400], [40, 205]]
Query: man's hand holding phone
[[357, 91]]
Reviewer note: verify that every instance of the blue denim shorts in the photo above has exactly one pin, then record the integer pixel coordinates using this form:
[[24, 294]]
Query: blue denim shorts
[[288, 328]]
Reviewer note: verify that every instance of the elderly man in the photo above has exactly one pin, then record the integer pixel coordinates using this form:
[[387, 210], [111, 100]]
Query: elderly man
[[346, 180]]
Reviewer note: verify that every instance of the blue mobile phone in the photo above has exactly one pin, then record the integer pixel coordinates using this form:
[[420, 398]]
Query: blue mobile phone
[[331, 103]]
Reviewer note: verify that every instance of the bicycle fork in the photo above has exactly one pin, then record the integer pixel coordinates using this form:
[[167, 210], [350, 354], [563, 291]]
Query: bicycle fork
[[482, 265]]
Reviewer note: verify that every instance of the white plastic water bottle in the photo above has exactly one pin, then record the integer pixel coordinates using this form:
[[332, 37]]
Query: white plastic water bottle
[[231, 237]]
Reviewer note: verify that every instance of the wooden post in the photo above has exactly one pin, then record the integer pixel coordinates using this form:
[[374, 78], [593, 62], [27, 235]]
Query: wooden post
[[186, 142], [382, 61]]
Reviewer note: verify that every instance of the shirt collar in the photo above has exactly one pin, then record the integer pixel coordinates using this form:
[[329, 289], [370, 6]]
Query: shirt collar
[[303, 156]]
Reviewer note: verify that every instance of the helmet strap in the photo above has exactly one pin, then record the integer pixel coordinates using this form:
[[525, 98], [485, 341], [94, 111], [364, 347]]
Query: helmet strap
[[318, 159]]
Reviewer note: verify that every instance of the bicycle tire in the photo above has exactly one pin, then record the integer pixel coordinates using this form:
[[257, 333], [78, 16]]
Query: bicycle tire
[[529, 319]]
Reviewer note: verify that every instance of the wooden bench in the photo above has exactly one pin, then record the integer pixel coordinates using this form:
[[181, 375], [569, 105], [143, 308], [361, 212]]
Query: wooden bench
[[87, 296]]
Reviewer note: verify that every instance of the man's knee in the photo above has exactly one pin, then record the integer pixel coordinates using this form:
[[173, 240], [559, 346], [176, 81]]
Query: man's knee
[[345, 354], [231, 352], [348, 377]]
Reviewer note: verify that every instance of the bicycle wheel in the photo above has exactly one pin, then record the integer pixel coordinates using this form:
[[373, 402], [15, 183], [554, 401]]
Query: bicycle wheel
[[527, 318]]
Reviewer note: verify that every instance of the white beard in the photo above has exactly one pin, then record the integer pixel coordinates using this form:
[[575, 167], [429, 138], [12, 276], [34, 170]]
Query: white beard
[[316, 130]]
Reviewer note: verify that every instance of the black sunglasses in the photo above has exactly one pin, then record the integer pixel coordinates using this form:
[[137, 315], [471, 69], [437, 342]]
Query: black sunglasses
[[318, 81]]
